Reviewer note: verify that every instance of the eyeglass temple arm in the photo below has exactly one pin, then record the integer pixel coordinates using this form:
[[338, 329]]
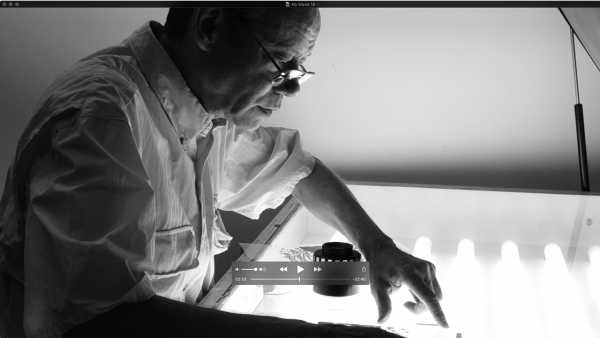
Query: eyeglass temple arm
[[267, 53], [258, 41]]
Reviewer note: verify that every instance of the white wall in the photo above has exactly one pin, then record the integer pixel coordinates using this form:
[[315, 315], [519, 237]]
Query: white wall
[[450, 96], [434, 96]]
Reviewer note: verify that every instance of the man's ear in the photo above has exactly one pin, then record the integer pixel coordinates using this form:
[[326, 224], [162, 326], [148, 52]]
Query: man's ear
[[204, 26]]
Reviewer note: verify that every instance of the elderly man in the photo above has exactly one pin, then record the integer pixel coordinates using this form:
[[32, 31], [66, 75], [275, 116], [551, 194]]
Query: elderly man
[[109, 215]]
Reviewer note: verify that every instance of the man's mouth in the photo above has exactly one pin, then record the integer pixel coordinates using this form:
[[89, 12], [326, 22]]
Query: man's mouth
[[265, 111]]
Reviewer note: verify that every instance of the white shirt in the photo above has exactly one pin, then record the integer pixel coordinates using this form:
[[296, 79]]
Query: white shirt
[[111, 197]]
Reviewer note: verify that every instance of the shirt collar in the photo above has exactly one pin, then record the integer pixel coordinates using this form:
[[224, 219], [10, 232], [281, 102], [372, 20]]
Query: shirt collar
[[184, 110]]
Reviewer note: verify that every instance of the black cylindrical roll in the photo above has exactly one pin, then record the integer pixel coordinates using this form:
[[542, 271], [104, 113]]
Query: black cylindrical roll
[[336, 252]]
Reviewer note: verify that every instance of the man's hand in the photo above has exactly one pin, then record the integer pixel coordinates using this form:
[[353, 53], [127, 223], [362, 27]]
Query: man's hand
[[328, 198], [390, 268]]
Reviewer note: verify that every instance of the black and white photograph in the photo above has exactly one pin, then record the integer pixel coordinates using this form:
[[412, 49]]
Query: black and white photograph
[[300, 169]]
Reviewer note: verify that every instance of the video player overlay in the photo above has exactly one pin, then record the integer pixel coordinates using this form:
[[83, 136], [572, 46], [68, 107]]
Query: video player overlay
[[300, 273], [335, 270]]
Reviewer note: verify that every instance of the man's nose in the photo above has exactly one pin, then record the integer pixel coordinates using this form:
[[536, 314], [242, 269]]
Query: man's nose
[[288, 88]]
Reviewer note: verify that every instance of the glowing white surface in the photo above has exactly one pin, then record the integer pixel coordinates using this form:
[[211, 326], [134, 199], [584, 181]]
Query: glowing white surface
[[593, 275], [500, 258]]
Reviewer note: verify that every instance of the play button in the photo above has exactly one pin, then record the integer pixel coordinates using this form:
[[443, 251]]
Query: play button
[[299, 268]]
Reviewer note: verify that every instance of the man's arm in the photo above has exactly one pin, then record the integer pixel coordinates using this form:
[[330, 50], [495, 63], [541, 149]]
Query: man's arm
[[329, 199]]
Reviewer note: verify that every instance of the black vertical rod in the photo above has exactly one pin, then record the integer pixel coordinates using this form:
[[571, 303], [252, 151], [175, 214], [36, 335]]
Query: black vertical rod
[[583, 164], [583, 167]]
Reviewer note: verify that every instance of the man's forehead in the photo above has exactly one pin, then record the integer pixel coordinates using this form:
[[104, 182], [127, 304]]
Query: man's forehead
[[288, 33]]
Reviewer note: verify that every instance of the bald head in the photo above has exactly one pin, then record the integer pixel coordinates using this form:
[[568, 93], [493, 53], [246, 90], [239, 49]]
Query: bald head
[[288, 32]]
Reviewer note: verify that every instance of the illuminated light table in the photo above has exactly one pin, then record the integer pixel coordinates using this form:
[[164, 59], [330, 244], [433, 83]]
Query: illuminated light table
[[511, 264]]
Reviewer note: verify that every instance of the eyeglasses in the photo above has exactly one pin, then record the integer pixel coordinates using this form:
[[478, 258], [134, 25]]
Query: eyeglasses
[[299, 74]]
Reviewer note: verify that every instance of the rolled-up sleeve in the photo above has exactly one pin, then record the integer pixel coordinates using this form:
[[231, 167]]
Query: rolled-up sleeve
[[259, 169], [85, 247]]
